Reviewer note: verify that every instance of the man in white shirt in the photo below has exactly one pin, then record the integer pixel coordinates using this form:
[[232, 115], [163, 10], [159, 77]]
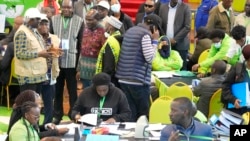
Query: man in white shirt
[[176, 22]]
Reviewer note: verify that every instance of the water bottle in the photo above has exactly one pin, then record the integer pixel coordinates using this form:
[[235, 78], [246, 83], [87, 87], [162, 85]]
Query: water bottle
[[77, 135]]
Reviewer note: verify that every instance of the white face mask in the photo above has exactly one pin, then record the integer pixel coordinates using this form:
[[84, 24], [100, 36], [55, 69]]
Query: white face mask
[[217, 45], [106, 34], [116, 8]]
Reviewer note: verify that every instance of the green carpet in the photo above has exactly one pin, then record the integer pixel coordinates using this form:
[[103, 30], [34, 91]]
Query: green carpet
[[4, 112]]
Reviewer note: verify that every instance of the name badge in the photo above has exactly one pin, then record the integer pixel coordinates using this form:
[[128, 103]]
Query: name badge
[[65, 44]]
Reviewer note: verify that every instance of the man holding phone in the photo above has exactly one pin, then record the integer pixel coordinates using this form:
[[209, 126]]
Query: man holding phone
[[135, 63]]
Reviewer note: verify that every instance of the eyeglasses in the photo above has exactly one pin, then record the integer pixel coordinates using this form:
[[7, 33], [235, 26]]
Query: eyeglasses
[[149, 6], [247, 5]]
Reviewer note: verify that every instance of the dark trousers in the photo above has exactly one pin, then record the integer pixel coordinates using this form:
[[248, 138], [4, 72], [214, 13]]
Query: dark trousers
[[48, 92], [68, 74], [138, 99], [183, 54], [35, 87]]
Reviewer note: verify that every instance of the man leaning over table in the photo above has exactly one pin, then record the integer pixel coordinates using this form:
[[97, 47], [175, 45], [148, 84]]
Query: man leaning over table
[[104, 99]]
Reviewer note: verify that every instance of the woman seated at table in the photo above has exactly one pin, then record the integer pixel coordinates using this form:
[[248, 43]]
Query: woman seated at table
[[166, 59], [104, 99], [30, 95], [25, 128]]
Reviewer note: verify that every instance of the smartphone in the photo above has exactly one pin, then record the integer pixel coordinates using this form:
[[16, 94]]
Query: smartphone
[[152, 28]]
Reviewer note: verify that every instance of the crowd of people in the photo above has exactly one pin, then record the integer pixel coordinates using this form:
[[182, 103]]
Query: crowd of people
[[55, 45]]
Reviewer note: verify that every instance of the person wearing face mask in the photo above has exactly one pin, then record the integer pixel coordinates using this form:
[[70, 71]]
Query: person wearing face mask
[[124, 18], [202, 43], [92, 40], [109, 53], [219, 48], [165, 58]]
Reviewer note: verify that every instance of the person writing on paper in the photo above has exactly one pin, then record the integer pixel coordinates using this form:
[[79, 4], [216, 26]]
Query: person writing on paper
[[183, 126], [104, 99], [166, 59], [238, 73]]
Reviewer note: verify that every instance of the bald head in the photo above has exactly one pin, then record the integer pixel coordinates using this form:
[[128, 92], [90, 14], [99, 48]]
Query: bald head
[[67, 8], [219, 67], [18, 21]]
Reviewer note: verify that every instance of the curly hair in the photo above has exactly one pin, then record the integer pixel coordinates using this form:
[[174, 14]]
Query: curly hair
[[27, 95]]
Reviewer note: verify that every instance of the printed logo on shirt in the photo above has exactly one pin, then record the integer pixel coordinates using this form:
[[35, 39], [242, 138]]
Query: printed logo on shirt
[[103, 111]]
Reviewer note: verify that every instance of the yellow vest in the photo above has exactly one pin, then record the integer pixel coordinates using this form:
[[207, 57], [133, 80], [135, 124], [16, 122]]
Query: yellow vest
[[115, 48], [30, 67]]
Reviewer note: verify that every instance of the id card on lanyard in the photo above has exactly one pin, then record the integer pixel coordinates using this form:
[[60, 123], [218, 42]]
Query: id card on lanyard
[[101, 103]]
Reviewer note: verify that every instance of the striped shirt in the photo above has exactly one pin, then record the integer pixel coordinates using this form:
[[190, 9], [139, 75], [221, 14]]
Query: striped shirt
[[148, 48]]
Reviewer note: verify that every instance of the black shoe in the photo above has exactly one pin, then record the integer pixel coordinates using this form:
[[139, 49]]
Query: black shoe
[[56, 121]]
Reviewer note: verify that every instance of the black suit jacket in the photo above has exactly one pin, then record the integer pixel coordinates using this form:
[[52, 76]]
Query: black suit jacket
[[182, 24]]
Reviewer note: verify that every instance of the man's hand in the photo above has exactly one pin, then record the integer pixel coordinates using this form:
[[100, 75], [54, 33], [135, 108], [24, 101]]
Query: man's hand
[[110, 121], [156, 34], [201, 75], [173, 42], [78, 75], [45, 54], [174, 136], [77, 117], [195, 67], [50, 126], [62, 131], [237, 104]]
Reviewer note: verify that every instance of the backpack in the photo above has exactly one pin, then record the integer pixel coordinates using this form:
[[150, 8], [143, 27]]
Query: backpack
[[202, 12]]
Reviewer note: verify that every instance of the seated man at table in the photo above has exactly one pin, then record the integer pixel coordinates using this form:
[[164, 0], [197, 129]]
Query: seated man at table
[[209, 85], [183, 124], [104, 99], [166, 59]]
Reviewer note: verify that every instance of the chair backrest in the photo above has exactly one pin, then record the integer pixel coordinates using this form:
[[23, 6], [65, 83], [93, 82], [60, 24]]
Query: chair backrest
[[12, 72], [159, 111], [166, 97], [161, 86], [200, 116], [215, 104], [203, 56], [180, 89]]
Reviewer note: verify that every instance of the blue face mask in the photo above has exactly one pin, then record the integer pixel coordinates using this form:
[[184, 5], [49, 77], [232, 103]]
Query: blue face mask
[[217, 45]]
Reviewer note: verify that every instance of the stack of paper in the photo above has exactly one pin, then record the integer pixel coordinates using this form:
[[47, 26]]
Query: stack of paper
[[225, 119], [89, 119], [163, 74]]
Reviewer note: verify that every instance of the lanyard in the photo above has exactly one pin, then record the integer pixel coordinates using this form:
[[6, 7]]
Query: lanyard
[[65, 22], [199, 137], [101, 105]]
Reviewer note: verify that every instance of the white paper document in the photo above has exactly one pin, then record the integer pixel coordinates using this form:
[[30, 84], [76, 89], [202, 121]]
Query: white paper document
[[89, 119], [70, 126], [2, 23], [155, 127], [163, 74]]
